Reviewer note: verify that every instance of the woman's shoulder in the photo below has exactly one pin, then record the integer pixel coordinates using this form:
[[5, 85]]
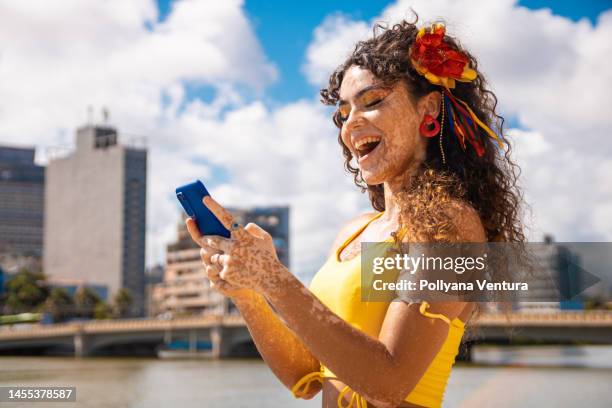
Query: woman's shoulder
[[350, 227], [467, 220]]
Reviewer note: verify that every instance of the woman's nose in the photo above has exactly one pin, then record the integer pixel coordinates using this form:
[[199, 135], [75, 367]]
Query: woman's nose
[[354, 121]]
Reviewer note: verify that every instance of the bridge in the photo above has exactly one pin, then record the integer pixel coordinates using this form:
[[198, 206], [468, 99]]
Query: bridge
[[229, 335]]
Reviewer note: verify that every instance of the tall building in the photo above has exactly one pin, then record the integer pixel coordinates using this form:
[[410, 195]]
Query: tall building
[[22, 186], [555, 282], [186, 289], [95, 214]]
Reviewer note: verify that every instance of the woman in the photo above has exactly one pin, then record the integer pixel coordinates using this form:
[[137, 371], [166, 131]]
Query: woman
[[415, 114]]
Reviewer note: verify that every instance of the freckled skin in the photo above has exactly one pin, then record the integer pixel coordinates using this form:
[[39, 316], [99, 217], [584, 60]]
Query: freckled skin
[[394, 118], [246, 268]]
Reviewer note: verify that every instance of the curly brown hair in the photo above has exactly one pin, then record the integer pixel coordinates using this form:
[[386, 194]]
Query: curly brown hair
[[488, 183]]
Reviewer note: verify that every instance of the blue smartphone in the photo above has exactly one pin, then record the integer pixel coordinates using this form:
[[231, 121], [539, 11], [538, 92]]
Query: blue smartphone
[[190, 196]]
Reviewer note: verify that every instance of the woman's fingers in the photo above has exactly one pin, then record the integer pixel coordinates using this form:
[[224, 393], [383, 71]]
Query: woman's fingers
[[218, 259], [221, 213], [214, 241], [219, 243], [224, 216], [213, 271], [257, 231], [192, 227], [206, 252]]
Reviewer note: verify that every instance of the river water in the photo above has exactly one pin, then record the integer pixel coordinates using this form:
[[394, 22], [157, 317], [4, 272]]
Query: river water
[[535, 376]]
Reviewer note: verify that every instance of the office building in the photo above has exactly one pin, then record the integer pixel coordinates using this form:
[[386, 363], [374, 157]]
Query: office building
[[95, 214], [21, 208], [554, 281]]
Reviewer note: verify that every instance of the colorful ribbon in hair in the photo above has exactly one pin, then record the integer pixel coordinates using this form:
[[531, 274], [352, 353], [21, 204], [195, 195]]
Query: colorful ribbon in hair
[[442, 64]]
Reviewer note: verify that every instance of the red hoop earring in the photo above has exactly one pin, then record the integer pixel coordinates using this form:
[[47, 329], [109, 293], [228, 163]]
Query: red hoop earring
[[429, 126]]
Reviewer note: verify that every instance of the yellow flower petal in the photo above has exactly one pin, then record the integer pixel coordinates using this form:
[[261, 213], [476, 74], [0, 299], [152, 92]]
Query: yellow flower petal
[[468, 74], [434, 79]]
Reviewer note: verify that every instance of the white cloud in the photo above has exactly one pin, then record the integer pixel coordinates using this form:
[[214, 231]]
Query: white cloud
[[333, 41], [67, 55], [549, 72]]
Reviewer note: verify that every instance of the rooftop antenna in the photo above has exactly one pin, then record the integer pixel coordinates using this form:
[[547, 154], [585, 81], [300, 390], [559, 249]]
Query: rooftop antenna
[[89, 115], [105, 115]]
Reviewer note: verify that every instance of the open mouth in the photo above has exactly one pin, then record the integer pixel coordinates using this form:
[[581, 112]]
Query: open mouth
[[367, 146]]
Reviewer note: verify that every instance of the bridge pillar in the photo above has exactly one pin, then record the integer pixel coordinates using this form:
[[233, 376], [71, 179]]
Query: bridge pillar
[[216, 338], [80, 344], [168, 336], [193, 341], [221, 342]]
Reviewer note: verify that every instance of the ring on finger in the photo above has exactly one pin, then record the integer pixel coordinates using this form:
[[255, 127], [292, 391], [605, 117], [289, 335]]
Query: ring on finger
[[216, 259]]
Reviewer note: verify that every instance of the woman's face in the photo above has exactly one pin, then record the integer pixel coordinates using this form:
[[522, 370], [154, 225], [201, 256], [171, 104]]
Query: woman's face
[[385, 119]]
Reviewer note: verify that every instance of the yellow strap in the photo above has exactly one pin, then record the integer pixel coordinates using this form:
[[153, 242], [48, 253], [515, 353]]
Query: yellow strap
[[354, 234], [317, 376], [307, 379], [425, 306], [355, 397]]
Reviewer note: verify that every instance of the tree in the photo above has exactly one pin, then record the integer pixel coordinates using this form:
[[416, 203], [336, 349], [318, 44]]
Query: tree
[[85, 301], [102, 310], [59, 304], [122, 302], [25, 291]]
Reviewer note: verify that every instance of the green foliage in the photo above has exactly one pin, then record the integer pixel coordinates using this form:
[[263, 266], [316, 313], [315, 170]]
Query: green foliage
[[28, 291], [102, 310], [85, 301], [122, 302], [59, 304], [25, 292], [596, 302]]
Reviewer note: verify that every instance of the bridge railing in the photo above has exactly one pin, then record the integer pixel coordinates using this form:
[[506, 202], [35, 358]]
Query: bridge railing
[[563, 318], [589, 317]]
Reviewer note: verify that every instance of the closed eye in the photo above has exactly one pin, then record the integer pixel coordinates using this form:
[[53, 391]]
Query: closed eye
[[340, 117], [374, 103], [343, 118]]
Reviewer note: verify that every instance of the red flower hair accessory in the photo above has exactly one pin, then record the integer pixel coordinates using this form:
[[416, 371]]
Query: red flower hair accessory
[[437, 60], [442, 64]]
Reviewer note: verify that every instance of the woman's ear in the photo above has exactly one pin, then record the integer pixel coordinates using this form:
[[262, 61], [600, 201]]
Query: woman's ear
[[430, 104]]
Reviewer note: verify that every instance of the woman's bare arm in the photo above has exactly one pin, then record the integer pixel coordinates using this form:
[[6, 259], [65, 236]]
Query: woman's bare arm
[[282, 350], [286, 355]]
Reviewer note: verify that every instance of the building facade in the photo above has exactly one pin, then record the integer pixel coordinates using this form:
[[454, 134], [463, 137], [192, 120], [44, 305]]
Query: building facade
[[554, 281], [95, 214], [21, 208], [186, 289]]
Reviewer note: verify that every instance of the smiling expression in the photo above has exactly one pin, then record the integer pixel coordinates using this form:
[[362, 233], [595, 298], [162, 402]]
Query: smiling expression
[[380, 126]]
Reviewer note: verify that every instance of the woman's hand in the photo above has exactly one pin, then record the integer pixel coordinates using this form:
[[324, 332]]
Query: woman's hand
[[213, 269], [246, 260]]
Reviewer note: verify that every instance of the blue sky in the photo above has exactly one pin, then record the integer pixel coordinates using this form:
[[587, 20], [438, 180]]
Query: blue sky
[[285, 29]]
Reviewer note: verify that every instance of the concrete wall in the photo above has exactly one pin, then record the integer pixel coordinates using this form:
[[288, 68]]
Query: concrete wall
[[84, 214]]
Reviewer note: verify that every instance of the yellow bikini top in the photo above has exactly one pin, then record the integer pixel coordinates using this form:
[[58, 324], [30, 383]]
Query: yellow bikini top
[[338, 285]]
